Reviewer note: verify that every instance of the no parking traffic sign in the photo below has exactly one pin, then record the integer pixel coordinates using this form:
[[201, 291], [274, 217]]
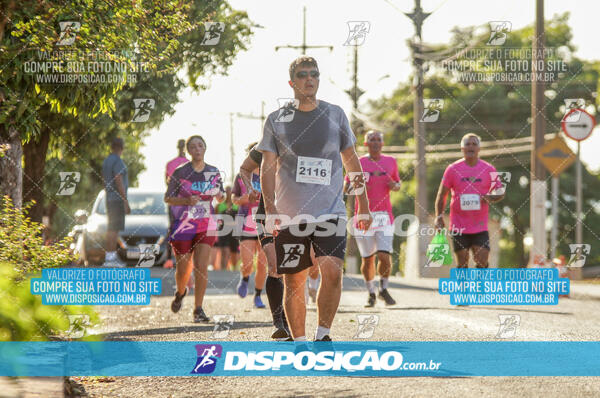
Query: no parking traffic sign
[[578, 124]]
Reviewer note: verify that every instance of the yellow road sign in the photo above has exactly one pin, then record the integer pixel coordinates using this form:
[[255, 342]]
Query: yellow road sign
[[556, 156]]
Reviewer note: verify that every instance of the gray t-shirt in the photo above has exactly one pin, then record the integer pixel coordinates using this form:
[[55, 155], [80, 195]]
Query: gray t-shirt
[[309, 175], [112, 166]]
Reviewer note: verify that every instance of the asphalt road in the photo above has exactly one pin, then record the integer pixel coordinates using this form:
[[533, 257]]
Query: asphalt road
[[420, 315]]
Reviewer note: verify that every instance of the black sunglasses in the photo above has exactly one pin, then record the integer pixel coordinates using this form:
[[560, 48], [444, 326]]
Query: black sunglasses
[[304, 74]]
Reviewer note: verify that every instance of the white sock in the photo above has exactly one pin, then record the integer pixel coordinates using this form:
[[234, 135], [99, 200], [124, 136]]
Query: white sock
[[300, 338], [383, 283], [371, 286], [321, 332], [313, 283]]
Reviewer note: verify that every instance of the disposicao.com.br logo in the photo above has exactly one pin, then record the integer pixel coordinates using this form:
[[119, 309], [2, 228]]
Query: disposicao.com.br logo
[[299, 360]]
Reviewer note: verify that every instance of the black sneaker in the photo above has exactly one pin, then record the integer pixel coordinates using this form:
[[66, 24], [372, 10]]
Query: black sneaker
[[385, 295], [176, 303], [200, 316], [280, 334], [371, 301], [325, 338]]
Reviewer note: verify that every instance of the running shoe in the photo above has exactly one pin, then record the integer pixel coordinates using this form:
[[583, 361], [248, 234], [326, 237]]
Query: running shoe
[[371, 301], [258, 302], [176, 303], [313, 294], [325, 338], [385, 295], [242, 288], [200, 316], [280, 334]]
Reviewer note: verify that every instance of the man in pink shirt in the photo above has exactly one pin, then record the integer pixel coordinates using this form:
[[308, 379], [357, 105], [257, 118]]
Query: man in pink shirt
[[470, 180], [178, 161], [381, 177]]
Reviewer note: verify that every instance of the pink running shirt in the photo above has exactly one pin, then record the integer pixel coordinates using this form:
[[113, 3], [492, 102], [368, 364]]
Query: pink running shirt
[[379, 174], [468, 212]]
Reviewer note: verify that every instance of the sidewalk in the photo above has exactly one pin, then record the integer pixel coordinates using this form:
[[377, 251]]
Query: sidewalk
[[29, 387], [580, 290]]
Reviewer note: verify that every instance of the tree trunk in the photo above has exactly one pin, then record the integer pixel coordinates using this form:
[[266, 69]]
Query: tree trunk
[[33, 182], [11, 171]]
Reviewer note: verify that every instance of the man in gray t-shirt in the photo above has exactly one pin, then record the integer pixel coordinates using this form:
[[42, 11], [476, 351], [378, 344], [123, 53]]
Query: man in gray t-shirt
[[114, 173], [305, 145]]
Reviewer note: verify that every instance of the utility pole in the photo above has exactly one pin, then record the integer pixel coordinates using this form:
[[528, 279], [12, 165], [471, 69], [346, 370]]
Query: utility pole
[[538, 129], [355, 92], [303, 46], [262, 117], [421, 206], [578, 196]]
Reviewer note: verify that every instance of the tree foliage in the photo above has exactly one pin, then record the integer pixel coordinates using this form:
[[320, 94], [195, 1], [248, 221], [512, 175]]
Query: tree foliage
[[75, 122], [499, 111]]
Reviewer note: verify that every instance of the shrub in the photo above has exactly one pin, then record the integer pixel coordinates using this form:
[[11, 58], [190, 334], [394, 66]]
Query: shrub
[[21, 242], [23, 317]]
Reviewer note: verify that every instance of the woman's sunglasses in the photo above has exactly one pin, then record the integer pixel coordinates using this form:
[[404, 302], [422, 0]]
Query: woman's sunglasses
[[304, 74]]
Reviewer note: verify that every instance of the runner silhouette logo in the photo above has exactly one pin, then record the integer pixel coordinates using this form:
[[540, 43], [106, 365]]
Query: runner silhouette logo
[[143, 107], [579, 253], [287, 109], [508, 326], [357, 184], [223, 324], [68, 182], [499, 181], [498, 33], [148, 253], [207, 358], [68, 32], [293, 253], [366, 325], [78, 325], [570, 104], [357, 32], [212, 33], [432, 108], [436, 254]]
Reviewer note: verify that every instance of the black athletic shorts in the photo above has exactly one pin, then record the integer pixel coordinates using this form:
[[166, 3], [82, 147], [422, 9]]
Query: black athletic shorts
[[228, 241], [115, 210], [465, 241], [293, 250]]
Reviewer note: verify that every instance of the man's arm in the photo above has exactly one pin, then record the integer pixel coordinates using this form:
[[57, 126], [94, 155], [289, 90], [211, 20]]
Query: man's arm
[[352, 165], [267, 181], [246, 170], [395, 182], [440, 204], [121, 189]]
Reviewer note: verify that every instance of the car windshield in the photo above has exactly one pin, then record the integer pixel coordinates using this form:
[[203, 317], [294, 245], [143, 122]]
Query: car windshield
[[140, 204]]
